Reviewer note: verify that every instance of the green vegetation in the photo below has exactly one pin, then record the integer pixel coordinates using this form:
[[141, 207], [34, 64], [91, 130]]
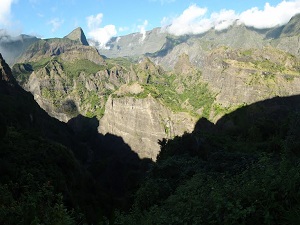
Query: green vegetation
[[74, 68], [196, 94], [122, 61]]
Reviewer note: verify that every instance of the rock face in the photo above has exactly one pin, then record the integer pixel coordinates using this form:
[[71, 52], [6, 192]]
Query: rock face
[[248, 76], [142, 122], [78, 35]]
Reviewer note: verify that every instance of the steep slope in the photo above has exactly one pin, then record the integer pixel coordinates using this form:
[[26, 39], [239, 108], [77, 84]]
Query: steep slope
[[68, 167], [142, 122], [49, 69]]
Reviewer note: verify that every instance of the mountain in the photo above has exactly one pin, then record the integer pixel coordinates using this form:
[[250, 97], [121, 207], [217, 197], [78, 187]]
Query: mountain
[[78, 35], [13, 47], [48, 68], [68, 167], [134, 45], [164, 48], [217, 112], [164, 83]]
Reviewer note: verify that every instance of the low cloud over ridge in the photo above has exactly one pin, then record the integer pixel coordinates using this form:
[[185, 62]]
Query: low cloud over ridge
[[100, 34], [194, 19]]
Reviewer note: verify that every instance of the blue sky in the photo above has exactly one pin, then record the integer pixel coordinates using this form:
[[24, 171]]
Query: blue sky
[[102, 19]]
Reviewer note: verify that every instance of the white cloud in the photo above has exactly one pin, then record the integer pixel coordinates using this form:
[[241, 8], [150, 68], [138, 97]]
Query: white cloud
[[190, 21], [194, 20], [223, 19], [270, 16], [142, 29], [103, 35], [5, 15], [56, 24], [94, 22], [100, 34]]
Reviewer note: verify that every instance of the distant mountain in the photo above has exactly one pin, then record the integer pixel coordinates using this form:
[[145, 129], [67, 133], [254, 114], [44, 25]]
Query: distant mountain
[[135, 44], [164, 48], [12, 47]]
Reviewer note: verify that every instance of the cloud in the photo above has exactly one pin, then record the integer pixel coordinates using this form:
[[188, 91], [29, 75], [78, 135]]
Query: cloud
[[142, 29], [5, 15], [94, 21], [100, 34], [190, 21], [56, 24], [270, 16], [194, 20]]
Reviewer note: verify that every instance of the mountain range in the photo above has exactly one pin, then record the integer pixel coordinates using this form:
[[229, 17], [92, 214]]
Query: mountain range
[[158, 84], [132, 133]]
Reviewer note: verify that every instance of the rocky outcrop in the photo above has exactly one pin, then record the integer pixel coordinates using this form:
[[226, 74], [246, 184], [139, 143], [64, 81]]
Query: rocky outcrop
[[142, 122], [78, 35]]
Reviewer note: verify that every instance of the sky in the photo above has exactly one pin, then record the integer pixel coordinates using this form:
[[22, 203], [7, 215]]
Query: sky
[[103, 19]]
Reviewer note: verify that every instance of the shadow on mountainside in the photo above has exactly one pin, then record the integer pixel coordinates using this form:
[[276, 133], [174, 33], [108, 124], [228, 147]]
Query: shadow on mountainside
[[237, 171], [271, 125], [108, 157], [98, 175]]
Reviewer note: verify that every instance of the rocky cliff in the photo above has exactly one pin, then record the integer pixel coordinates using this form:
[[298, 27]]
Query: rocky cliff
[[248, 76], [142, 122]]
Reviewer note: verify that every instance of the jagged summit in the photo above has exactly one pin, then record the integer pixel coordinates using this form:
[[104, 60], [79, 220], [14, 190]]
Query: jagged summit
[[78, 35]]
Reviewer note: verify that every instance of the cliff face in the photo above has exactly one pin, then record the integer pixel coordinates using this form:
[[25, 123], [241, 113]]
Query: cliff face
[[142, 122], [248, 76]]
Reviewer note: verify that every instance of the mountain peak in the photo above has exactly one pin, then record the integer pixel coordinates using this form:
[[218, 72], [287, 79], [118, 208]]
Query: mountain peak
[[78, 35]]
